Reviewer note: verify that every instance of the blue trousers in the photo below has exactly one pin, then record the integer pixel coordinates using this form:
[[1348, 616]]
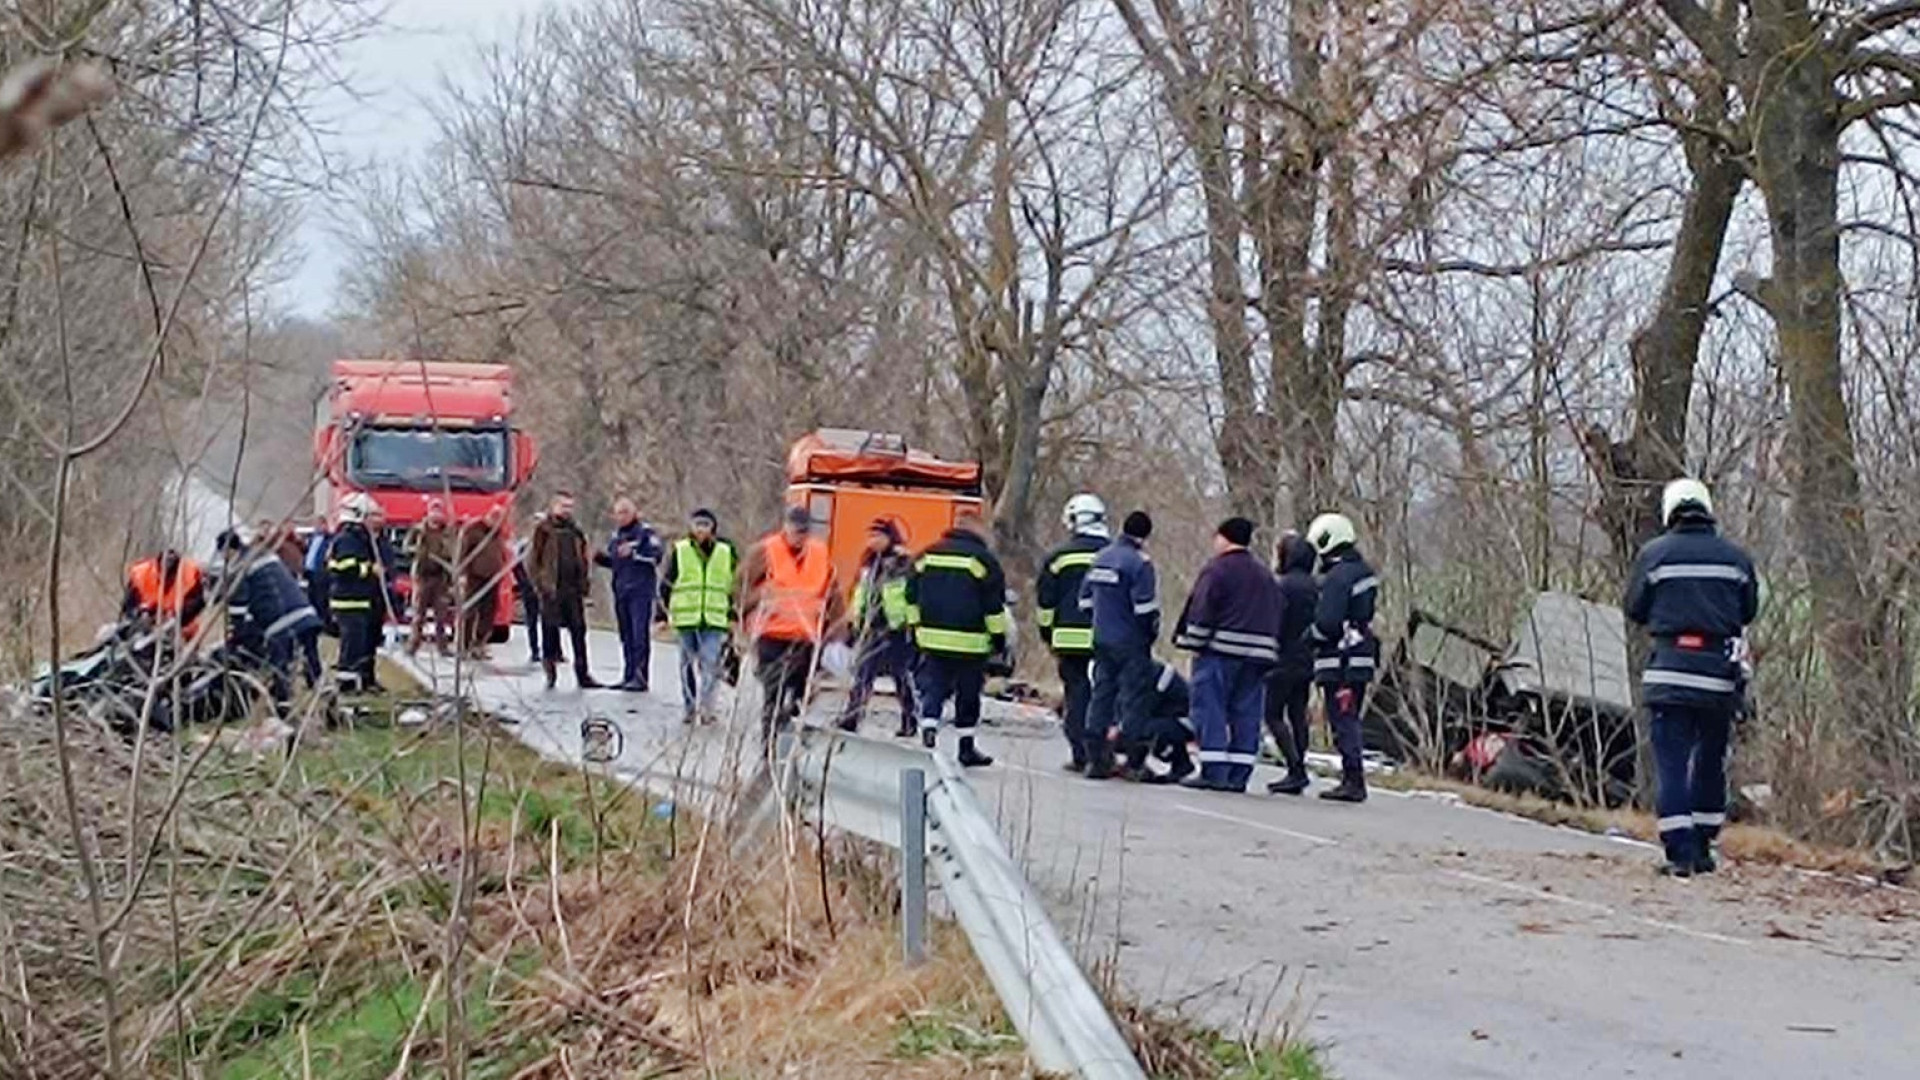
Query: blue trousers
[[1121, 705], [700, 667], [958, 677], [1690, 760], [889, 653], [1229, 707], [634, 612]]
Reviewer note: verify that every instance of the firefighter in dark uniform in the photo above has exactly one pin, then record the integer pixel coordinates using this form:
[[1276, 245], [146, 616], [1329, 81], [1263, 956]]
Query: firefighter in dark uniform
[[957, 605], [1345, 651], [1122, 594], [356, 594], [1068, 627], [1696, 593]]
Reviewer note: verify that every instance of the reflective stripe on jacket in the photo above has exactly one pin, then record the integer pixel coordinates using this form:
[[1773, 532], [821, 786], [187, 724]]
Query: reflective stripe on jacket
[[1345, 652], [1234, 610], [957, 597], [1067, 626], [1695, 592], [702, 588]]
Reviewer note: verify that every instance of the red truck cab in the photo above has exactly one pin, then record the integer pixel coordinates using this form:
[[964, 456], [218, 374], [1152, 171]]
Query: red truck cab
[[405, 432]]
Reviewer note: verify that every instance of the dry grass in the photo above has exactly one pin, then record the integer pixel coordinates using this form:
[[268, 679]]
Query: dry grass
[[1741, 842]]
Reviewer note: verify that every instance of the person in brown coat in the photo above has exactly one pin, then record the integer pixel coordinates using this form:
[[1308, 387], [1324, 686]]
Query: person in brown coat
[[561, 568], [432, 545], [483, 561]]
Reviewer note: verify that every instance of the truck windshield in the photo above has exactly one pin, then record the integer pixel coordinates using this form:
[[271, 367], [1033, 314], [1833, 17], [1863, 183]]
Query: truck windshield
[[424, 459]]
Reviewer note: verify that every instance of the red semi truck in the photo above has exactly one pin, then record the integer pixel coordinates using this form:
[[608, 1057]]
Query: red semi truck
[[407, 431]]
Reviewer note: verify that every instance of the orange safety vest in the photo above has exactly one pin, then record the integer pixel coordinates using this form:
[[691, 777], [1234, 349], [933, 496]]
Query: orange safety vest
[[145, 578], [793, 602]]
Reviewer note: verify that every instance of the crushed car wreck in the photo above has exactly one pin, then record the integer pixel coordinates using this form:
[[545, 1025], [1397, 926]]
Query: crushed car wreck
[[1549, 713]]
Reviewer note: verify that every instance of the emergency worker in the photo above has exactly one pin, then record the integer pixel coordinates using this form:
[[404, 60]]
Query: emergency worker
[[266, 607], [957, 603], [697, 594], [1291, 683], [1231, 623], [165, 590], [1345, 649], [633, 553], [789, 600], [1121, 594], [882, 638], [1068, 627], [1696, 593], [356, 594]]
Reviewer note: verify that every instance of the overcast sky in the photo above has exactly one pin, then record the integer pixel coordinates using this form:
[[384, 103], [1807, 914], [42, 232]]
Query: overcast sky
[[399, 69]]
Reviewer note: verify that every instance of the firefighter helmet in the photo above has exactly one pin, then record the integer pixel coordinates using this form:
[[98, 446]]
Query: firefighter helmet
[[1330, 531], [1684, 492]]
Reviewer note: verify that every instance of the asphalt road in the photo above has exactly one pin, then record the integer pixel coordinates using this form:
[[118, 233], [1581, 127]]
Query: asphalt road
[[1412, 937]]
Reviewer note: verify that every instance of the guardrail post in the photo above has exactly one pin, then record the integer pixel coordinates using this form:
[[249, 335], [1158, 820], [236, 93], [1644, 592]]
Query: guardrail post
[[913, 865]]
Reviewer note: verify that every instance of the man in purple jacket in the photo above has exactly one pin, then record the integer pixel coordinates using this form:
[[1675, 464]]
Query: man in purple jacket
[[1232, 625]]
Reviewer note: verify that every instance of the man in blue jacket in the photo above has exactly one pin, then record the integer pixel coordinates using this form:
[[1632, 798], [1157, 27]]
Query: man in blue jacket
[[1696, 593], [1124, 596], [1345, 649], [633, 553], [1232, 625], [1291, 681]]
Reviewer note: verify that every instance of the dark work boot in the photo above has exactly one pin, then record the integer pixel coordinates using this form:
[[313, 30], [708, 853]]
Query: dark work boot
[[1352, 789], [552, 671], [1294, 783], [929, 737], [970, 755]]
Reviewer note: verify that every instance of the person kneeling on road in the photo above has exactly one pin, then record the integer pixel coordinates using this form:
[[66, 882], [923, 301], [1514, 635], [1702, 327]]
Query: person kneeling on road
[[1232, 625], [957, 605]]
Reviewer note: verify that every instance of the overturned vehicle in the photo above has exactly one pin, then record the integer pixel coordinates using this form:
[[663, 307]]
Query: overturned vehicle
[[1550, 712], [132, 671]]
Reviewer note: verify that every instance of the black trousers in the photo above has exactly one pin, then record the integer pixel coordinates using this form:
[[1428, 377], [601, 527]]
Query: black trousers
[[1076, 677], [359, 642], [783, 668], [958, 677], [569, 613], [1287, 694]]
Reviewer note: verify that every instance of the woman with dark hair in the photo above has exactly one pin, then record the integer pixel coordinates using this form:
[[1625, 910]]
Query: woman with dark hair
[[1291, 682]]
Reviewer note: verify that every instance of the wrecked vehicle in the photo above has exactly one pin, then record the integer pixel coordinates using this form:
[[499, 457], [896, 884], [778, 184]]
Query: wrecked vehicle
[[1549, 713]]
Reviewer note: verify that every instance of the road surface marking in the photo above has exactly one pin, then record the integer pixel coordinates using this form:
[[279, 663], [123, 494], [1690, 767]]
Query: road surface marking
[[1262, 826], [1589, 905]]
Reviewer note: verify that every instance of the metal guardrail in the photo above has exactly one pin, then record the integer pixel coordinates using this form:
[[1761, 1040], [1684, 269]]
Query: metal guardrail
[[855, 784]]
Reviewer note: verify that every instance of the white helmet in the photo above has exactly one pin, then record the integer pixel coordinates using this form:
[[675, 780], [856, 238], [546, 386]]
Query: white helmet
[[1085, 513], [356, 507], [1685, 491], [1330, 531]]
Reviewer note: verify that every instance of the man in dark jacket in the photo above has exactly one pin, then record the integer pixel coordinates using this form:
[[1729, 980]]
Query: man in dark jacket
[[1122, 596], [957, 604], [882, 638], [559, 565], [633, 553], [1291, 682], [1067, 626], [356, 594], [1345, 649], [266, 608], [1231, 623], [1696, 593]]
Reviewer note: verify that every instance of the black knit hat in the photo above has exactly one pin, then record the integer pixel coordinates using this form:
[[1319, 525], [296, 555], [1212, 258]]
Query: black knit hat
[[1138, 525], [1237, 531], [703, 514]]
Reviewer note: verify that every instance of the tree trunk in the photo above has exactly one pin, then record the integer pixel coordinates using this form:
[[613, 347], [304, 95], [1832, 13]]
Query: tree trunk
[[1664, 353], [1240, 441], [1797, 167]]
